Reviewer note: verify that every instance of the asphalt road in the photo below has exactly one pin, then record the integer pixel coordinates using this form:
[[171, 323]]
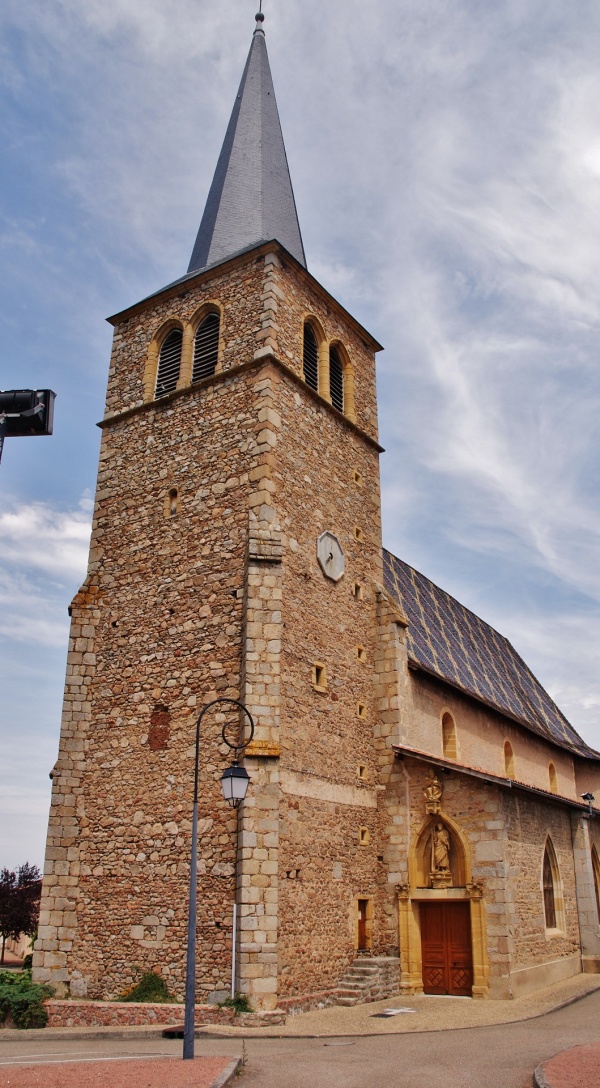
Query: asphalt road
[[503, 1056]]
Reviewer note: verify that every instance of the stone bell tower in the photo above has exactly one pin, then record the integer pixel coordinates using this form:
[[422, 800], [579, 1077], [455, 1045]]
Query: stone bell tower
[[235, 551]]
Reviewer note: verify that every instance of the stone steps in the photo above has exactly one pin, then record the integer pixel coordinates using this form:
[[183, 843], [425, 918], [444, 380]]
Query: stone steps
[[369, 979]]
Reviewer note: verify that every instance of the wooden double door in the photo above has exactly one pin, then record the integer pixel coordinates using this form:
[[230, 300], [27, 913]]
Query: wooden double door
[[446, 948]]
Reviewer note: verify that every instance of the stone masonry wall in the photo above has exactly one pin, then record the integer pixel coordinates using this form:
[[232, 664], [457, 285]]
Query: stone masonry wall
[[182, 606]]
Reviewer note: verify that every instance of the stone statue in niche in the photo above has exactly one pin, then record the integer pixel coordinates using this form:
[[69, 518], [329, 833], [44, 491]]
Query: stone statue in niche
[[441, 874], [433, 796]]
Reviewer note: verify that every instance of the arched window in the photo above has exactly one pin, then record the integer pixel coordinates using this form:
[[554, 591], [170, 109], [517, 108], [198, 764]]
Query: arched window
[[310, 357], [449, 748], [206, 347], [169, 362], [552, 778], [509, 760], [553, 903], [336, 378], [596, 872]]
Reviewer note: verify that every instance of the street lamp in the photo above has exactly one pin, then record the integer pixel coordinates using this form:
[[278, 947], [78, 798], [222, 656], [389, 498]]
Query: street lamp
[[234, 783], [589, 799]]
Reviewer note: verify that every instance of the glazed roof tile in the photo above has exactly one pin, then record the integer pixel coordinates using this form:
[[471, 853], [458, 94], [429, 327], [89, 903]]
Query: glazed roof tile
[[453, 644]]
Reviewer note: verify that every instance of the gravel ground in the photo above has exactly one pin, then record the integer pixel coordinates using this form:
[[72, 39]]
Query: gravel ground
[[430, 1013]]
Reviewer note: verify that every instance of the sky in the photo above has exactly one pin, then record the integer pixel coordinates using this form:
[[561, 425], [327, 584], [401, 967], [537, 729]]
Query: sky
[[446, 165]]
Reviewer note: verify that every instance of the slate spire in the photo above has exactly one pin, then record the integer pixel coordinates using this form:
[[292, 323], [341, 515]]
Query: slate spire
[[251, 198]]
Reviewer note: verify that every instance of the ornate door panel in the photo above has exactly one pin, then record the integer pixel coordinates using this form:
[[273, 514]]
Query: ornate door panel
[[446, 948]]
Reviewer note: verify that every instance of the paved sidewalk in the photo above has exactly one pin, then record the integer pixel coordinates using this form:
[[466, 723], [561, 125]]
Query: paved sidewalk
[[578, 1067], [428, 1014]]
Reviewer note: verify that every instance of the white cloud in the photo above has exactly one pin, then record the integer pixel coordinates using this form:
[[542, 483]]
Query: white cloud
[[45, 539]]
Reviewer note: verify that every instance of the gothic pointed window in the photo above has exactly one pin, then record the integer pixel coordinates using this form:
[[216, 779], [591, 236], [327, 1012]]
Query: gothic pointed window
[[336, 379], [310, 357], [169, 363], [596, 872], [549, 887], [206, 347]]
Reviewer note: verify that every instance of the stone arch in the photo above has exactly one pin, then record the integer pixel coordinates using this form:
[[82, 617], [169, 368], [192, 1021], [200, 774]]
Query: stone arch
[[596, 872], [409, 895], [509, 760], [348, 377], [422, 855], [313, 323], [209, 306], [449, 737], [151, 367], [551, 888]]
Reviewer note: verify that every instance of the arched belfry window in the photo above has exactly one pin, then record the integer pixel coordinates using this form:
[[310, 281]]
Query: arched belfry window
[[206, 347], [310, 357], [169, 363], [554, 913], [336, 378]]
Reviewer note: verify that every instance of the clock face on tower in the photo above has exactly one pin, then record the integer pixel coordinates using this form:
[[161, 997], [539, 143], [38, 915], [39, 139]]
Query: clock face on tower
[[330, 556]]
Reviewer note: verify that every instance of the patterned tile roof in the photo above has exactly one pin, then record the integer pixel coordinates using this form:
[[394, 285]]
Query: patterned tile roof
[[453, 644]]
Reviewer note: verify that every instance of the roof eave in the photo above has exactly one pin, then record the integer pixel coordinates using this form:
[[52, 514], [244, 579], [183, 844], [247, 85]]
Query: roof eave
[[532, 727], [402, 750], [262, 248]]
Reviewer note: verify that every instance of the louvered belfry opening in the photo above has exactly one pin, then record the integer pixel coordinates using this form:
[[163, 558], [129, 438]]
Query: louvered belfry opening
[[206, 347], [549, 901], [311, 357], [336, 379], [169, 363]]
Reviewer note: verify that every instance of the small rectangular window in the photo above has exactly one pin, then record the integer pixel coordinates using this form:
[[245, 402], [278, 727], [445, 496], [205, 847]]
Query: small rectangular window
[[319, 676], [361, 653], [361, 771], [358, 534], [356, 476], [363, 836], [361, 710], [357, 591]]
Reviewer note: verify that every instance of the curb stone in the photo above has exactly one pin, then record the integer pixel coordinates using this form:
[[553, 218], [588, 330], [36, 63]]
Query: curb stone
[[539, 1079], [231, 1071]]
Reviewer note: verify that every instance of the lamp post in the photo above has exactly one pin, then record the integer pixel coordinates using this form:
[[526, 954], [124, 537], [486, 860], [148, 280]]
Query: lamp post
[[234, 784], [589, 800]]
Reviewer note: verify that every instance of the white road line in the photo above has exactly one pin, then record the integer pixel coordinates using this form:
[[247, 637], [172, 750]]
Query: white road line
[[69, 1061]]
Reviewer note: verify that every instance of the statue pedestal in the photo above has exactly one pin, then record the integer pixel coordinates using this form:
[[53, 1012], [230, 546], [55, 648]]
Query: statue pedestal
[[442, 878]]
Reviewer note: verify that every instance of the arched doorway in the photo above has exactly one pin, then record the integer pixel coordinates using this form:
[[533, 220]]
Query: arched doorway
[[441, 911]]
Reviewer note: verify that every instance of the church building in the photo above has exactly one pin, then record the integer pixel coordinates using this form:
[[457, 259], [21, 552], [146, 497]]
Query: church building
[[417, 802]]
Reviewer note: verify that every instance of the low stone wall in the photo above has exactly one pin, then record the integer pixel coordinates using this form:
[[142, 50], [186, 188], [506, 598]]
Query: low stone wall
[[92, 1014], [306, 1002]]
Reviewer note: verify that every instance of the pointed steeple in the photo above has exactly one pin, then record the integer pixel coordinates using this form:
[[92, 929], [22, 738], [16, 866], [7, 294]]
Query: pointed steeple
[[251, 198]]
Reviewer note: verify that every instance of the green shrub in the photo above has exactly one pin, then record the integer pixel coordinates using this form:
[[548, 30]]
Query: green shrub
[[240, 1003], [23, 1000], [151, 987]]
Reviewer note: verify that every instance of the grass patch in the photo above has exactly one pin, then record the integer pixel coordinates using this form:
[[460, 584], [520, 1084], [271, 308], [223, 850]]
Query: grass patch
[[239, 1003]]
